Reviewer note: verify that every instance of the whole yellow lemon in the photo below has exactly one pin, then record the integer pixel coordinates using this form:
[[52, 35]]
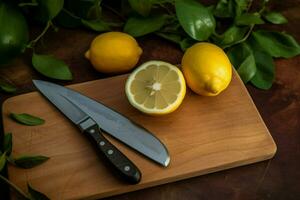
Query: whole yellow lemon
[[114, 52], [206, 68]]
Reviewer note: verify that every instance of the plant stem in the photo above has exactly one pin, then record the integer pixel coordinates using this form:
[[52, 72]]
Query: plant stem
[[28, 4], [55, 28], [71, 14], [244, 38], [248, 34], [262, 9], [114, 11], [250, 29], [6, 79], [16, 188], [166, 8], [33, 42], [43, 32], [249, 5]]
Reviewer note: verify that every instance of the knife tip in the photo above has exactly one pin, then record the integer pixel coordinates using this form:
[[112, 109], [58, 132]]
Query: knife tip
[[35, 81], [166, 162], [38, 82]]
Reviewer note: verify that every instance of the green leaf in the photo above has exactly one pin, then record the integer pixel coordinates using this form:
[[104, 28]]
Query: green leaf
[[141, 26], [247, 69], [211, 8], [249, 19], [265, 72], [95, 11], [170, 36], [36, 195], [28, 162], [51, 67], [6, 87], [162, 1], [224, 9], [241, 57], [50, 8], [241, 6], [2, 161], [172, 30], [115, 24], [265, 67], [196, 19], [7, 143], [238, 53], [231, 36], [96, 25], [186, 43], [275, 18], [142, 7], [172, 25], [277, 44], [27, 119]]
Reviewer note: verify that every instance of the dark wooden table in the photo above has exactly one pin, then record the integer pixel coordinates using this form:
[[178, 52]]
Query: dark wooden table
[[278, 178]]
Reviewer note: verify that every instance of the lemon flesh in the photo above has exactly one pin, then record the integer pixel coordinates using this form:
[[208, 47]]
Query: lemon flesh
[[156, 88], [207, 69]]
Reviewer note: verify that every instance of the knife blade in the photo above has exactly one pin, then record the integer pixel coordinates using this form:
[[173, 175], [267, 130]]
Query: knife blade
[[115, 124], [125, 168]]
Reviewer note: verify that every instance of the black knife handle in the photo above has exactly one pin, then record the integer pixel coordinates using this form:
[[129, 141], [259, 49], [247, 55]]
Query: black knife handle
[[122, 164]]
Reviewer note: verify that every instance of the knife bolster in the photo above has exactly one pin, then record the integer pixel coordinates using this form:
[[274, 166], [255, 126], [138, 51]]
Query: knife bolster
[[86, 123]]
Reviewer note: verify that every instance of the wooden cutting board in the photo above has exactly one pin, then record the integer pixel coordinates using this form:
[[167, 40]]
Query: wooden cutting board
[[206, 134]]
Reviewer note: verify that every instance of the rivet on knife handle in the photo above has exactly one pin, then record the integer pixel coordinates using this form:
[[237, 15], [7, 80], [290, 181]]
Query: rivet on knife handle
[[121, 163]]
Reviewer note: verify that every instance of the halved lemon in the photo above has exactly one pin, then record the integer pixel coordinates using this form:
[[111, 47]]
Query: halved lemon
[[156, 88]]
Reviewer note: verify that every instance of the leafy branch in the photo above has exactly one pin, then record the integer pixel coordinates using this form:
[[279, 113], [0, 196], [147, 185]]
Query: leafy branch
[[197, 23], [24, 162], [230, 24]]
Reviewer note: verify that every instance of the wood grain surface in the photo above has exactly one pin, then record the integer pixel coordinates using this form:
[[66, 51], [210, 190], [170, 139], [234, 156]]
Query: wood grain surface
[[204, 135], [275, 179]]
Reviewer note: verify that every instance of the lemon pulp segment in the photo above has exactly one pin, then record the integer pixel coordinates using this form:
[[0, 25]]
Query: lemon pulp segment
[[156, 87]]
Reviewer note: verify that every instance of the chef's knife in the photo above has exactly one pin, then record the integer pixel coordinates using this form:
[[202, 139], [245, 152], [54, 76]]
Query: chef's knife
[[89, 127], [113, 123]]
